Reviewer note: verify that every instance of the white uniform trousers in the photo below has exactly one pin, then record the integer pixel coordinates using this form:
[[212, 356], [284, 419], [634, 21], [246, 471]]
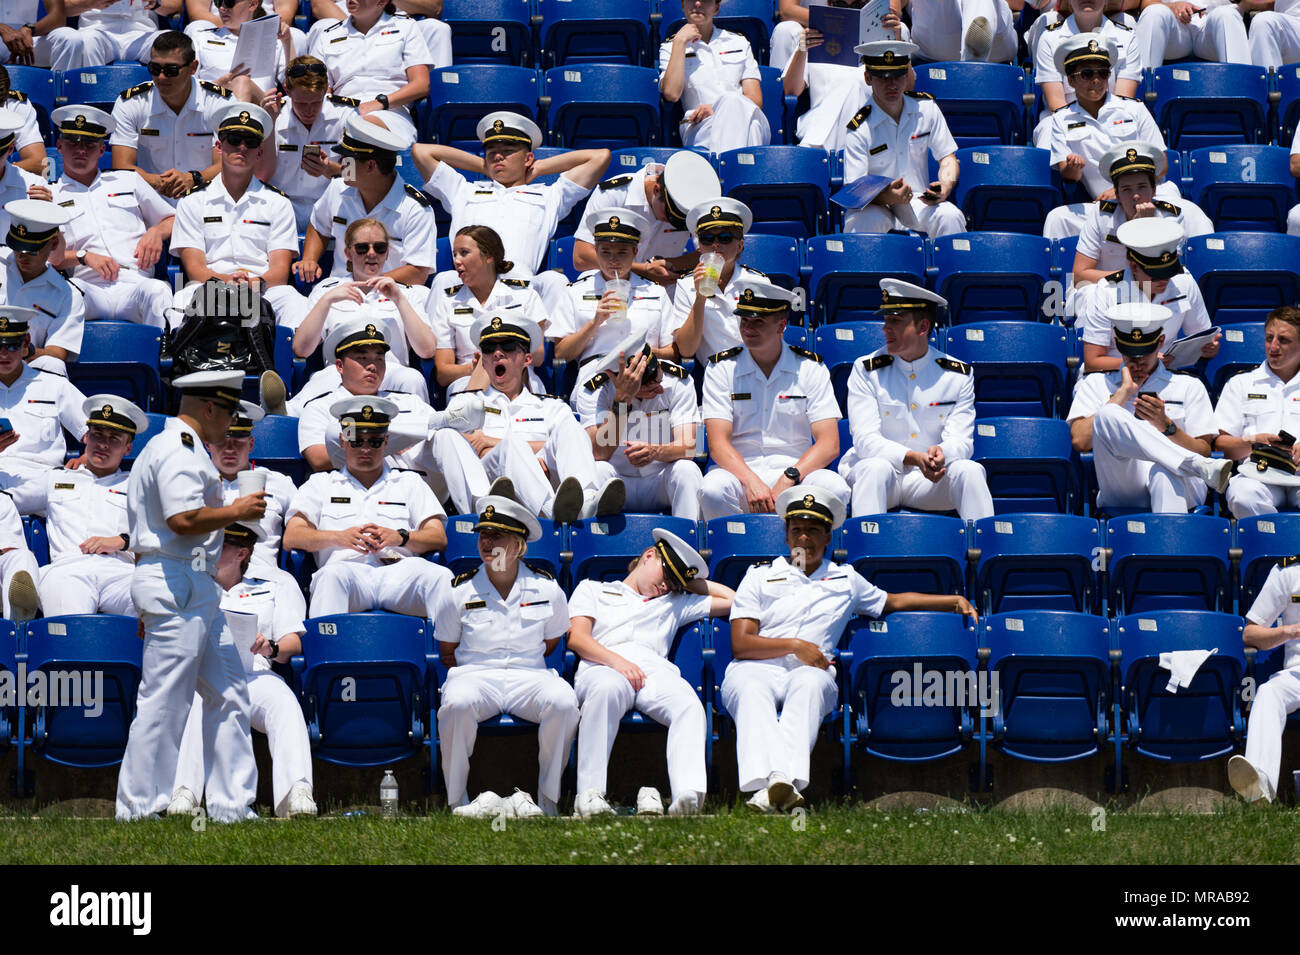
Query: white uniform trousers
[[1248, 497], [59, 50], [288, 304], [1293, 221], [451, 468], [100, 46], [1276, 699], [721, 492], [186, 646], [1137, 465], [91, 583], [24, 481], [941, 27], [1219, 35], [877, 487], [19, 559], [676, 487], [411, 586], [765, 743], [937, 220], [132, 298], [605, 697], [566, 453], [1274, 39], [737, 122], [276, 712], [472, 694]]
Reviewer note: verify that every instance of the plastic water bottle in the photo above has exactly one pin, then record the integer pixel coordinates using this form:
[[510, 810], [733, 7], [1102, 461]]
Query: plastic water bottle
[[388, 795]]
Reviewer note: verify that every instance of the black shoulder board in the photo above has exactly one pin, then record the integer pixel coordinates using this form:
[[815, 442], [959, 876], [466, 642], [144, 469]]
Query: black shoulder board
[[412, 471], [195, 188], [344, 101], [516, 283], [335, 26], [674, 369], [723, 355], [187, 439], [1114, 276], [598, 381], [1107, 205], [805, 353], [317, 398], [278, 192], [1288, 561], [126, 93], [538, 568], [879, 361], [615, 182], [952, 364], [1057, 25], [1119, 23], [453, 289], [859, 117], [1168, 207], [915, 95], [18, 97], [468, 575], [418, 196], [761, 563], [214, 88]]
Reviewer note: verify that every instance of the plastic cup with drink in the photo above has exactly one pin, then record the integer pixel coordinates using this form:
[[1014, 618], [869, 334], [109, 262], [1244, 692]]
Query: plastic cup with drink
[[621, 289], [712, 263]]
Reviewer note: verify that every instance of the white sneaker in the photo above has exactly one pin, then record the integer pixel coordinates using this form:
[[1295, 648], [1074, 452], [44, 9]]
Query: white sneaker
[[486, 805], [183, 802], [465, 413], [567, 505], [978, 40], [759, 802], [300, 801], [781, 792], [1246, 780], [23, 599], [591, 803], [1216, 472], [687, 804], [649, 802], [522, 806]]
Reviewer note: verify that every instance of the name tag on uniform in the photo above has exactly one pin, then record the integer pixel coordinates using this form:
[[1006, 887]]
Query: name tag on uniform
[[1295, 598], [65, 487], [146, 131], [70, 202], [340, 500], [288, 148], [740, 396], [212, 218], [1075, 125], [490, 410], [462, 311], [339, 39], [484, 192], [340, 220], [591, 298], [776, 580], [611, 593], [1258, 397], [879, 149], [1172, 401], [475, 604]]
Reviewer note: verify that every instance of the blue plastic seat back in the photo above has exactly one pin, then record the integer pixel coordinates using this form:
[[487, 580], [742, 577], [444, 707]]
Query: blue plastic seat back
[[1210, 104], [99, 86], [119, 358], [595, 31], [364, 687], [462, 546], [786, 187], [490, 31], [1005, 188], [908, 552], [993, 276], [459, 96], [1240, 349], [753, 18], [1244, 275], [894, 662], [39, 85], [1020, 367], [8, 649], [602, 547], [1029, 462], [157, 422], [983, 103], [1244, 188], [776, 255], [741, 540], [842, 344], [624, 161], [98, 656], [275, 446], [1201, 721], [1053, 683], [38, 541], [1288, 108], [1037, 561], [1264, 540], [602, 105], [1168, 561], [846, 271]]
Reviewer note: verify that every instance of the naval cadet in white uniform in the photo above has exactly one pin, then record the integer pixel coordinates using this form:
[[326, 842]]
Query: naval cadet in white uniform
[[30, 280], [232, 456]]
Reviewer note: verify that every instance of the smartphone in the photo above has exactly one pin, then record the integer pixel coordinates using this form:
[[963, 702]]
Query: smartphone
[[1148, 394], [5, 426], [931, 191], [1285, 438], [313, 149]]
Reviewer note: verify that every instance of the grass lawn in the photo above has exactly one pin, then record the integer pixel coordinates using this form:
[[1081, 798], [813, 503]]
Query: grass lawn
[[828, 834]]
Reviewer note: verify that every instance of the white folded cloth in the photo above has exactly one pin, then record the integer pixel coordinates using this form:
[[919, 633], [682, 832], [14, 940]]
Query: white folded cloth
[[1182, 665]]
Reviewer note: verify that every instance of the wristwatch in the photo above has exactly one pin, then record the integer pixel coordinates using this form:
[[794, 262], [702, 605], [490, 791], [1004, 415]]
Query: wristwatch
[[1170, 431], [404, 534], [793, 474], [382, 100], [81, 256], [275, 649], [126, 541], [198, 177]]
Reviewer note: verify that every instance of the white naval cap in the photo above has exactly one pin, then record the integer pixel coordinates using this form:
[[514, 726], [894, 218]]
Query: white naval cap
[[630, 347], [364, 411], [1138, 326], [682, 562], [1132, 157], [899, 296], [760, 297], [365, 139], [247, 118], [357, 331], [10, 124], [82, 122], [616, 225], [1085, 49], [241, 426], [504, 126], [15, 320], [1152, 244], [688, 179], [502, 514], [814, 503], [32, 223], [1270, 464], [886, 56], [488, 327], [243, 535], [112, 411], [719, 212], [227, 386]]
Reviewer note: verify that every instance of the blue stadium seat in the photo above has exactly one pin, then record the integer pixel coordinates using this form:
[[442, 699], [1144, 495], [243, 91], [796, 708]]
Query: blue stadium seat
[[777, 107], [92, 644], [843, 343], [1037, 562], [1200, 722], [37, 538], [1244, 188], [275, 446], [365, 687], [1244, 275], [624, 161], [991, 276], [156, 424], [9, 711], [845, 272], [983, 102], [408, 170], [459, 96], [1210, 104], [489, 31], [1169, 562], [741, 540], [561, 256], [462, 546], [1264, 540], [1288, 106], [1030, 463], [99, 86], [906, 552], [1020, 367], [1006, 188], [1241, 349], [120, 358], [1063, 257], [776, 255], [602, 105], [602, 547], [39, 85], [595, 31], [1054, 701], [753, 18], [786, 187]]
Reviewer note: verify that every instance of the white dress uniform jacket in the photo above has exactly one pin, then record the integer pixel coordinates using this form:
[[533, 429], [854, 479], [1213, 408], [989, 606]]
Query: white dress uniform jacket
[[363, 65], [720, 329], [714, 73], [453, 309], [78, 505], [162, 139], [1097, 238], [405, 211], [1119, 120], [214, 45], [1278, 602], [647, 306], [291, 136], [39, 405], [628, 192], [1129, 66], [59, 302], [1182, 296], [14, 183], [1258, 402]]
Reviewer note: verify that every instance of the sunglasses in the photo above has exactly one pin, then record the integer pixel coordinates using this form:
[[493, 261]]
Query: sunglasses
[[366, 442], [241, 140], [717, 238], [166, 69], [302, 69], [228, 4], [1091, 74], [506, 347], [9, 344], [363, 248]]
